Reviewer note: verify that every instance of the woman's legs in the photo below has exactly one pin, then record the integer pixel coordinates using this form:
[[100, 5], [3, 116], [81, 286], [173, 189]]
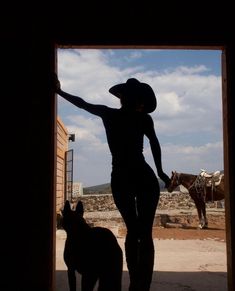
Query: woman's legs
[[146, 207], [137, 202], [127, 208], [138, 215]]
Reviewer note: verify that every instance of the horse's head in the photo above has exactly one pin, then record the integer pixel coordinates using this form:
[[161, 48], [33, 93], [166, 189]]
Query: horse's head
[[174, 181]]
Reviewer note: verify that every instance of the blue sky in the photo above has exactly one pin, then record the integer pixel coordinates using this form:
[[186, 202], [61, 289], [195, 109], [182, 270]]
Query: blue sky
[[188, 118]]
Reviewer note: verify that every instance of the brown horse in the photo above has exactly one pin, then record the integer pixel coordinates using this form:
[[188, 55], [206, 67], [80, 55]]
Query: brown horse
[[202, 188]]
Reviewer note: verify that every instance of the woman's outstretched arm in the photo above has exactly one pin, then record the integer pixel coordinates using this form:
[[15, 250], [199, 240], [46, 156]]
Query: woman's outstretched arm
[[78, 101]]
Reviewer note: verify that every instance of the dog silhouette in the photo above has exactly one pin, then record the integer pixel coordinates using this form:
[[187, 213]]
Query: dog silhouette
[[93, 252]]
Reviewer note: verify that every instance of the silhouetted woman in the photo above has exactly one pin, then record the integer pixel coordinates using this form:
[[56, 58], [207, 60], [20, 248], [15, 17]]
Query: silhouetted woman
[[135, 187]]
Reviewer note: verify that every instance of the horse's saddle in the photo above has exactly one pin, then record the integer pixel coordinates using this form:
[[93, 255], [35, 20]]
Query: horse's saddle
[[211, 179]]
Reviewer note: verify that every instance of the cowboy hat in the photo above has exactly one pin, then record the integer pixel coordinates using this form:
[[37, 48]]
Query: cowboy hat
[[138, 90]]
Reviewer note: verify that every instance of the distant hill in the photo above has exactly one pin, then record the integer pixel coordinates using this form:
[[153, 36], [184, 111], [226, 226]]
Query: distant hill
[[106, 188], [98, 189]]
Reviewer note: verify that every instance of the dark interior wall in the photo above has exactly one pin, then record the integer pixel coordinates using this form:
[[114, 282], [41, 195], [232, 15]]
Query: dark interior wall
[[28, 61], [28, 169], [229, 145]]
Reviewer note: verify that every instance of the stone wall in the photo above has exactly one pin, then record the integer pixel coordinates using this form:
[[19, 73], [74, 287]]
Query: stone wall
[[167, 201], [176, 207]]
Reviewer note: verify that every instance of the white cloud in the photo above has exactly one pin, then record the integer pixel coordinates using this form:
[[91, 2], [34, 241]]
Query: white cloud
[[189, 158], [93, 124], [189, 101], [92, 159], [184, 70], [135, 55], [89, 134], [172, 104]]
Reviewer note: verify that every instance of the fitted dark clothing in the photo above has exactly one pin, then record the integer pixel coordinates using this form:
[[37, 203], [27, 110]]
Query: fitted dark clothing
[[135, 187], [125, 132]]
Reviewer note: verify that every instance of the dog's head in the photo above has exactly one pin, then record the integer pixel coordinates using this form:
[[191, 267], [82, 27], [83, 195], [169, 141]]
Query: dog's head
[[73, 220]]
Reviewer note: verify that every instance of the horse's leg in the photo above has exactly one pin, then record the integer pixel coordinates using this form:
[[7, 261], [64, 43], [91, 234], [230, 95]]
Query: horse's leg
[[199, 212], [203, 209]]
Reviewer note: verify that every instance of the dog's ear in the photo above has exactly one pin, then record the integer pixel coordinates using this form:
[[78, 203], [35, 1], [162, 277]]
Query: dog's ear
[[67, 207], [79, 208]]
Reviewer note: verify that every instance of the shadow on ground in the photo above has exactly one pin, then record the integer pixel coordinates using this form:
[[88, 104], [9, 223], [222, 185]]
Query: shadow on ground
[[165, 281]]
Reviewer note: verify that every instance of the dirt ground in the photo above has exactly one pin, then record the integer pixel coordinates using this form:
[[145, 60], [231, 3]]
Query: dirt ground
[[187, 258], [215, 231], [175, 225]]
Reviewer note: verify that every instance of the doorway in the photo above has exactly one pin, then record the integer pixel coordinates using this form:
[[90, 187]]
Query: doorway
[[176, 97]]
